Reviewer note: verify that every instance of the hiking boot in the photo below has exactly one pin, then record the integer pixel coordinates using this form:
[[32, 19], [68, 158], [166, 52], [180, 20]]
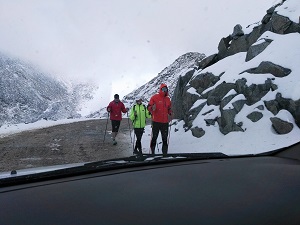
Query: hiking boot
[[114, 142], [152, 151], [135, 152]]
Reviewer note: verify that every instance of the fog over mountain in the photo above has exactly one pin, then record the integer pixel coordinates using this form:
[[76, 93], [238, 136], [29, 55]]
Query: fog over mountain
[[168, 75], [28, 95]]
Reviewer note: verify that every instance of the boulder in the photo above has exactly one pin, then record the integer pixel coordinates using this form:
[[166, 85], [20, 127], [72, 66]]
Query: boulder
[[223, 46], [238, 105], [237, 32], [208, 61], [272, 106], [255, 116], [197, 132], [279, 24], [226, 121], [215, 96], [255, 50], [281, 126], [269, 67], [266, 19], [204, 81]]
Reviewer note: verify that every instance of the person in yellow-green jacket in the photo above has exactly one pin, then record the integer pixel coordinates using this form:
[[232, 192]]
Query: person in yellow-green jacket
[[138, 115]]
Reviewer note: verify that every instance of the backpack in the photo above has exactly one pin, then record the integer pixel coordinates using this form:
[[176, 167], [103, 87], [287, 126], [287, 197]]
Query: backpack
[[143, 105], [145, 112]]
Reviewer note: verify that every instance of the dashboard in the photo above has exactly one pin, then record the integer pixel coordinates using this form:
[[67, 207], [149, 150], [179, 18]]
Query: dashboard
[[235, 190]]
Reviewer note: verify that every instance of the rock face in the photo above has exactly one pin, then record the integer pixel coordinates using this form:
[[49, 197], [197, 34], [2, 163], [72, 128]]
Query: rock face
[[199, 89]]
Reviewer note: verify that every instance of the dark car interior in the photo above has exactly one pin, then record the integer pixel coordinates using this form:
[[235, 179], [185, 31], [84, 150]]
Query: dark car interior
[[208, 188]]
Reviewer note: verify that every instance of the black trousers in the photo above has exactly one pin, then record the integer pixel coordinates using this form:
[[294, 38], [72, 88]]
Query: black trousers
[[138, 144], [164, 130], [115, 124]]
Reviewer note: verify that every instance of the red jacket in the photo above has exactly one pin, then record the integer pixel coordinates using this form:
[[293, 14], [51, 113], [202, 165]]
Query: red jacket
[[162, 108], [115, 109]]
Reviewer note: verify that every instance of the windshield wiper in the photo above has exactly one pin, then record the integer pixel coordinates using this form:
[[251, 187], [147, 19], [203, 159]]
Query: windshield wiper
[[159, 158], [146, 159]]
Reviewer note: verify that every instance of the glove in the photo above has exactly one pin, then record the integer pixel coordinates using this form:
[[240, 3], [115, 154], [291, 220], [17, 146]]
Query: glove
[[108, 109], [135, 114]]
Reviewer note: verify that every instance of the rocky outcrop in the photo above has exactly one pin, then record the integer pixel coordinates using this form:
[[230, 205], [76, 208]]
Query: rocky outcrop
[[204, 89], [240, 42], [179, 110]]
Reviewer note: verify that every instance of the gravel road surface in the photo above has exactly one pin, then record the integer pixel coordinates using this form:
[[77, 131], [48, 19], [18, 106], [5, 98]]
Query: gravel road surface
[[64, 144]]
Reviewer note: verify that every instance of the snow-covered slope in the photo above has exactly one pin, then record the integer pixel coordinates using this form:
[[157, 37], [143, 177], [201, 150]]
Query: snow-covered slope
[[169, 76], [28, 95], [246, 98]]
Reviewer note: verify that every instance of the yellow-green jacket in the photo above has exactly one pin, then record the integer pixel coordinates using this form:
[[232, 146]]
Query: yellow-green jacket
[[139, 120]]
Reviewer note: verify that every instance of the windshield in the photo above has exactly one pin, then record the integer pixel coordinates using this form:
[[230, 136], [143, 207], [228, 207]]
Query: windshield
[[92, 80]]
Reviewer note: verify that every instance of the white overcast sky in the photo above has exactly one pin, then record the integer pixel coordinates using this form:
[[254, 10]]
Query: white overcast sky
[[118, 44]]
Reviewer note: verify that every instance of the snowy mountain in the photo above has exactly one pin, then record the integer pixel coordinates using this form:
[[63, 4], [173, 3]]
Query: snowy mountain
[[186, 63], [28, 95], [243, 99], [181, 66]]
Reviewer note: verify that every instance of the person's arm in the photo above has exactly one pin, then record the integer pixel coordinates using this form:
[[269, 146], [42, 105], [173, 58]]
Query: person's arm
[[132, 115], [108, 108], [151, 106], [170, 112], [123, 109], [148, 114]]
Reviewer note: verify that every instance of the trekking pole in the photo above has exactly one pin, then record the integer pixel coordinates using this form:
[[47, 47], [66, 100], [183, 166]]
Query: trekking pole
[[106, 126], [129, 127], [150, 151], [133, 141], [169, 133]]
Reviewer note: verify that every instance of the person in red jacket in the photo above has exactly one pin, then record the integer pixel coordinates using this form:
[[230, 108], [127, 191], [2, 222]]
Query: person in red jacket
[[160, 108], [115, 108]]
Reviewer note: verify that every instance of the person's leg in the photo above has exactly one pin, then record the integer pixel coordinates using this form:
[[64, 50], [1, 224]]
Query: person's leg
[[115, 129], [118, 122], [139, 135], [155, 131], [164, 130], [113, 133], [136, 143]]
